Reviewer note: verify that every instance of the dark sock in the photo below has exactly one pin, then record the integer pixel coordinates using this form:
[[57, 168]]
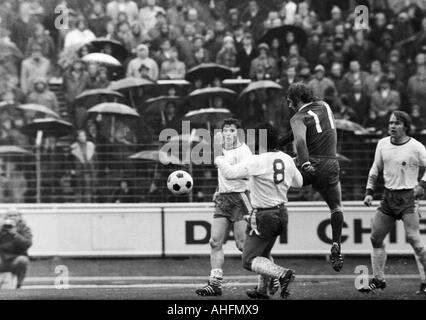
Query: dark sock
[[337, 225]]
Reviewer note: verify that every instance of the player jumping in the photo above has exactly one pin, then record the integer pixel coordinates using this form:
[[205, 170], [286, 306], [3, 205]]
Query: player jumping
[[314, 132], [231, 205], [271, 175], [399, 158]]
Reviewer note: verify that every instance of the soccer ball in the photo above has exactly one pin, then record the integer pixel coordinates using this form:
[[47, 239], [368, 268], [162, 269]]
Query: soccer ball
[[180, 182]]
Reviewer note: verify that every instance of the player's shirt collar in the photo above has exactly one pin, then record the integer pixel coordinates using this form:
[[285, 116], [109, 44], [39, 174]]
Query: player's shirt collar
[[304, 106]]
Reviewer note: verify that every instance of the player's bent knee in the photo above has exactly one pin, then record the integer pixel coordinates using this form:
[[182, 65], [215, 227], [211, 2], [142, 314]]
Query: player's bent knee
[[22, 261], [376, 243], [239, 244], [413, 239], [247, 262]]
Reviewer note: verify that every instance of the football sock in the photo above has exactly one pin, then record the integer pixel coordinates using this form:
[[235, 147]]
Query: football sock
[[336, 225], [378, 261], [262, 283], [216, 277], [266, 267], [421, 269]]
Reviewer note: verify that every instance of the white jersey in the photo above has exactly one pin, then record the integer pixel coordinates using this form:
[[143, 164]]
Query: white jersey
[[271, 175], [400, 163], [234, 156]]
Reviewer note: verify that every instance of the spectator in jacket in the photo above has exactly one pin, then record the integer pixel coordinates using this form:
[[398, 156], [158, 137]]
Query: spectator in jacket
[[34, 67], [83, 154], [42, 95], [15, 240]]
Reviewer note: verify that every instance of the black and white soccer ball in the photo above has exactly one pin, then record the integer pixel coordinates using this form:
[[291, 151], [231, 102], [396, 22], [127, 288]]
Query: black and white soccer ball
[[180, 182]]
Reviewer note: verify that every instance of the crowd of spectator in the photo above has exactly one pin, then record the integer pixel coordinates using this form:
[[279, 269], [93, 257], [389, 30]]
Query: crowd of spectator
[[364, 74]]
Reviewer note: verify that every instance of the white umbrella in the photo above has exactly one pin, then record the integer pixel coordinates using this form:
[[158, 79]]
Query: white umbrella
[[102, 58]]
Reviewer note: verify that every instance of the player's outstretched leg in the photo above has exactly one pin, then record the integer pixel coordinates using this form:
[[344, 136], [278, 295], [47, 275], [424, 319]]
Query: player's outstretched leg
[[261, 290]]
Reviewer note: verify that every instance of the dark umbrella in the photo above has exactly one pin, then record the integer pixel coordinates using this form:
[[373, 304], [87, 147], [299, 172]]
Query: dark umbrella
[[208, 116], [49, 127], [300, 36], [207, 72], [159, 104], [118, 50], [260, 85], [127, 84], [206, 96], [98, 96]]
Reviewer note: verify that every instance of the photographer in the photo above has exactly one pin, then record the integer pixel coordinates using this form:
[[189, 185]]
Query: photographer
[[15, 239]]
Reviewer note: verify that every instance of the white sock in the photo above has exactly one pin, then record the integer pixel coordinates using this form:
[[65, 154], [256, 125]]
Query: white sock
[[216, 277], [378, 261], [266, 267]]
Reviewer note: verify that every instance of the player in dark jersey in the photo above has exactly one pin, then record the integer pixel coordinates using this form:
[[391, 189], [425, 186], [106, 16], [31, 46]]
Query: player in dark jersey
[[314, 133]]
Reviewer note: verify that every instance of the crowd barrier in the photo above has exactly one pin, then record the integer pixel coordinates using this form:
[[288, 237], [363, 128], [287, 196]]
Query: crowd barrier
[[183, 229]]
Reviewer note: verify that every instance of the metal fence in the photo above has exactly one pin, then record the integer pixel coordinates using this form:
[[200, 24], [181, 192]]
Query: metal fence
[[58, 181]]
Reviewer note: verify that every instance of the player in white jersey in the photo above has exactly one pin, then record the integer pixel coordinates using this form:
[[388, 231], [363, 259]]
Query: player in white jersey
[[399, 157], [271, 175], [231, 205]]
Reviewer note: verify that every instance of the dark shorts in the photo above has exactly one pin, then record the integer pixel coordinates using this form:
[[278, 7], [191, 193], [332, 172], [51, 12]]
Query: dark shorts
[[396, 203], [270, 223], [326, 175], [232, 206]]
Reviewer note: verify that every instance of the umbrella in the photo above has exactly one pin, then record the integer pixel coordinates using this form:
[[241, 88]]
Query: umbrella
[[98, 94], [207, 72], [129, 83], [38, 108], [342, 158], [13, 150], [113, 108], [208, 116], [49, 127], [207, 94], [102, 58], [300, 36], [347, 125], [158, 156], [159, 104], [118, 50], [260, 85]]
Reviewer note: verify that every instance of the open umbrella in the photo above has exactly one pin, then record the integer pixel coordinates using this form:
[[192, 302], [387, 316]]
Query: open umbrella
[[207, 72], [99, 96], [38, 108], [347, 125], [129, 83], [13, 150], [114, 109], [49, 127], [300, 36], [260, 85], [109, 46], [204, 97], [102, 58], [157, 156], [208, 115], [159, 104]]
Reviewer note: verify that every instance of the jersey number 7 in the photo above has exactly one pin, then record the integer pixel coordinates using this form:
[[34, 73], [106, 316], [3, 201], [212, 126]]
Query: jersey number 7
[[278, 171]]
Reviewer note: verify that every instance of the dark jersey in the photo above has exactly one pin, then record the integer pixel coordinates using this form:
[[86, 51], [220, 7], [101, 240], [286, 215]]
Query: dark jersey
[[321, 136]]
